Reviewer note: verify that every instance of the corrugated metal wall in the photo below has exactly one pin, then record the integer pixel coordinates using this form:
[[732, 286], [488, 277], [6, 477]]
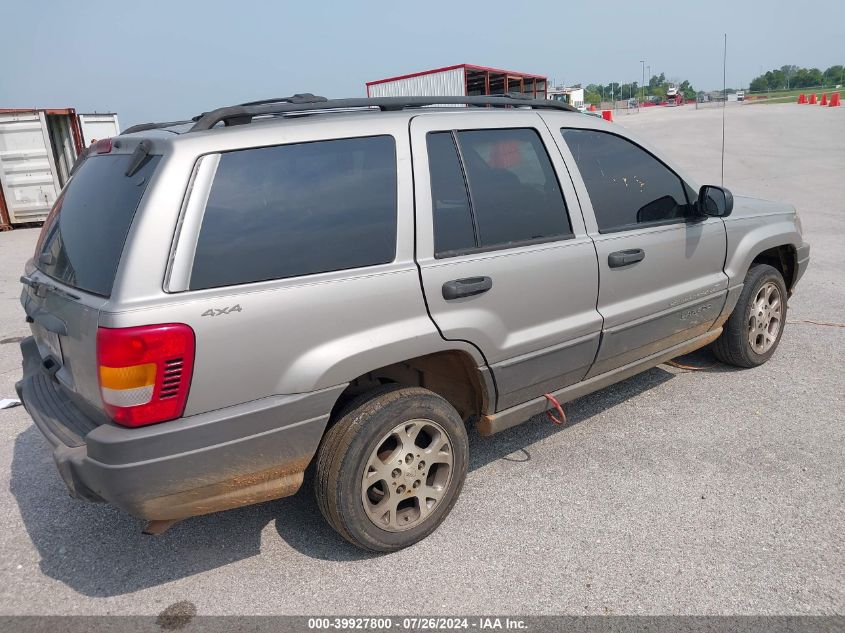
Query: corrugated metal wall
[[441, 84], [28, 173], [38, 149]]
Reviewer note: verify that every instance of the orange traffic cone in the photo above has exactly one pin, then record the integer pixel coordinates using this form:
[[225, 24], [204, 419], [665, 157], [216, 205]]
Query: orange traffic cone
[[834, 100], [802, 98], [607, 115], [813, 99], [824, 99]]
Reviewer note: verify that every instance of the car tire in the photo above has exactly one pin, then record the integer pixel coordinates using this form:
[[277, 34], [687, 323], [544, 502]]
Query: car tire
[[752, 333], [391, 467]]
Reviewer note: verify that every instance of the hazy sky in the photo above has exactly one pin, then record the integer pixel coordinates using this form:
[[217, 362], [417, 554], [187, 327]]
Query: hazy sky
[[149, 60]]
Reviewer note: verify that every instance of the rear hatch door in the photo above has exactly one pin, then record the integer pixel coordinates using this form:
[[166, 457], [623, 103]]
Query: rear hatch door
[[71, 275]]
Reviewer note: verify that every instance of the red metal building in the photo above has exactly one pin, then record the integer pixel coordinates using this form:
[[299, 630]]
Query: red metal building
[[460, 80]]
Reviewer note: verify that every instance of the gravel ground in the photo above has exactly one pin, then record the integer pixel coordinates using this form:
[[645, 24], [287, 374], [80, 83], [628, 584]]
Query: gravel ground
[[709, 492]]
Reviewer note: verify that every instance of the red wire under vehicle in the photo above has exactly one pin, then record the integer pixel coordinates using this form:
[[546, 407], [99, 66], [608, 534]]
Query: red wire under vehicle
[[562, 419]]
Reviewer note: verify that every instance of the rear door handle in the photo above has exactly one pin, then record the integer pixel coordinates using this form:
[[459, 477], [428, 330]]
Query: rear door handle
[[625, 258], [468, 287]]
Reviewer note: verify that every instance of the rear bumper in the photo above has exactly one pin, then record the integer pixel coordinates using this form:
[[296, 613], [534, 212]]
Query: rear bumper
[[213, 461]]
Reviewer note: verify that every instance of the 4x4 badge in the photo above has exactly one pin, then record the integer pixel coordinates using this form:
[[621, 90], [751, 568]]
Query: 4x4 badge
[[218, 311]]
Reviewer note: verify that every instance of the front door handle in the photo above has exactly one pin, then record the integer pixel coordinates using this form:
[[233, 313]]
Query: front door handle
[[625, 258], [468, 287]]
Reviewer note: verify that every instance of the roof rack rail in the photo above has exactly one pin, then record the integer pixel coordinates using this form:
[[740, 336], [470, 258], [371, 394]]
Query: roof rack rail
[[152, 126], [244, 113], [300, 97]]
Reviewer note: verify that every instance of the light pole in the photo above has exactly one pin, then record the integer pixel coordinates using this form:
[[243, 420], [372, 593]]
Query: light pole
[[642, 87]]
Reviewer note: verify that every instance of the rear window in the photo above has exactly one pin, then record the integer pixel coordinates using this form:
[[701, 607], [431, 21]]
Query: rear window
[[300, 209], [83, 238]]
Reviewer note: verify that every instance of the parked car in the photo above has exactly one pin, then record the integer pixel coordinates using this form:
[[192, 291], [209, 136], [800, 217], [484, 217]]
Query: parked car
[[216, 305]]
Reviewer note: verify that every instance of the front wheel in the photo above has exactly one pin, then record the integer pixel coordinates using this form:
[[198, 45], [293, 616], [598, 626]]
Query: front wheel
[[391, 468], [752, 333]]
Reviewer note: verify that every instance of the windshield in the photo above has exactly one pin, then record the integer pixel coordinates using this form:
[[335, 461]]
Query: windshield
[[82, 239]]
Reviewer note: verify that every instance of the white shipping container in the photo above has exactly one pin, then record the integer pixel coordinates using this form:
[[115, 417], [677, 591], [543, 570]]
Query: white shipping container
[[28, 175], [98, 126], [38, 149]]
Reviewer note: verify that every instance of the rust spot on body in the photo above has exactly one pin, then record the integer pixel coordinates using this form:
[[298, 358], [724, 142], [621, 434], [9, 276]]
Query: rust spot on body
[[239, 490]]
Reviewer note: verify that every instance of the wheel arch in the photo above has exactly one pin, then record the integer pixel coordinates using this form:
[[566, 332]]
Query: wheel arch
[[783, 258], [452, 374], [771, 240]]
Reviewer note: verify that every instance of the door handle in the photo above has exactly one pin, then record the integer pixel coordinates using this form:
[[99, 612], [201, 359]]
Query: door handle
[[468, 287], [625, 258]]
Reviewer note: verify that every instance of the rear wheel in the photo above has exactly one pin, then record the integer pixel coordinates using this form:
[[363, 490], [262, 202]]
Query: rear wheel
[[752, 333], [391, 468]]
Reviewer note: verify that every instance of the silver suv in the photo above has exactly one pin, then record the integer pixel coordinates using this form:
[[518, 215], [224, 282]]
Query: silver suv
[[219, 303]]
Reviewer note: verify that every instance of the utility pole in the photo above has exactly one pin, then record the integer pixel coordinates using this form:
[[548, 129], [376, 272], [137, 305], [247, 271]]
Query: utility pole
[[642, 88]]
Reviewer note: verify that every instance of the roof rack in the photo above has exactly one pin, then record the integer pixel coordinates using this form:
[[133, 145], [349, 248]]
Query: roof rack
[[301, 97], [244, 113], [305, 97], [153, 126]]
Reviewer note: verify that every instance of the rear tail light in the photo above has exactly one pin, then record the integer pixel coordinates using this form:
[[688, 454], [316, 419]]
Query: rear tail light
[[145, 372]]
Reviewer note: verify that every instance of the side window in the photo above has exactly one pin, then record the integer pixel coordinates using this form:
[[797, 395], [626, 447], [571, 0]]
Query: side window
[[290, 210], [627, 185], [493, 188], [514, 191], [453, 229]]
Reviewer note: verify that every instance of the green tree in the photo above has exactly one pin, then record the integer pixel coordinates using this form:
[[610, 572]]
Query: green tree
[[687, 90], [834, 75], [791, 76], [628, 91], [800, 78], [759, 84], [592, 96]]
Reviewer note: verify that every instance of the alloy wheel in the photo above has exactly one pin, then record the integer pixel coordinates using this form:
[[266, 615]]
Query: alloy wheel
[[407, 475]]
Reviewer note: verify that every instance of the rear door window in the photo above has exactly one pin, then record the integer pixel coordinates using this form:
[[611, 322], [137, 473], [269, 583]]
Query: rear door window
[[500, 183], [82, 239], [300, 209], [453, 226]]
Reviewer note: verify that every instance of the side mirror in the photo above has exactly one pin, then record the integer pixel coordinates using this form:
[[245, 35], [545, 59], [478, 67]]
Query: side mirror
[[715, 201]]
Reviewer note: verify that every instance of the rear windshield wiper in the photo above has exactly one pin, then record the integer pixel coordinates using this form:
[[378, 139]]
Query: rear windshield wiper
[[139, 157], [38, 285]]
